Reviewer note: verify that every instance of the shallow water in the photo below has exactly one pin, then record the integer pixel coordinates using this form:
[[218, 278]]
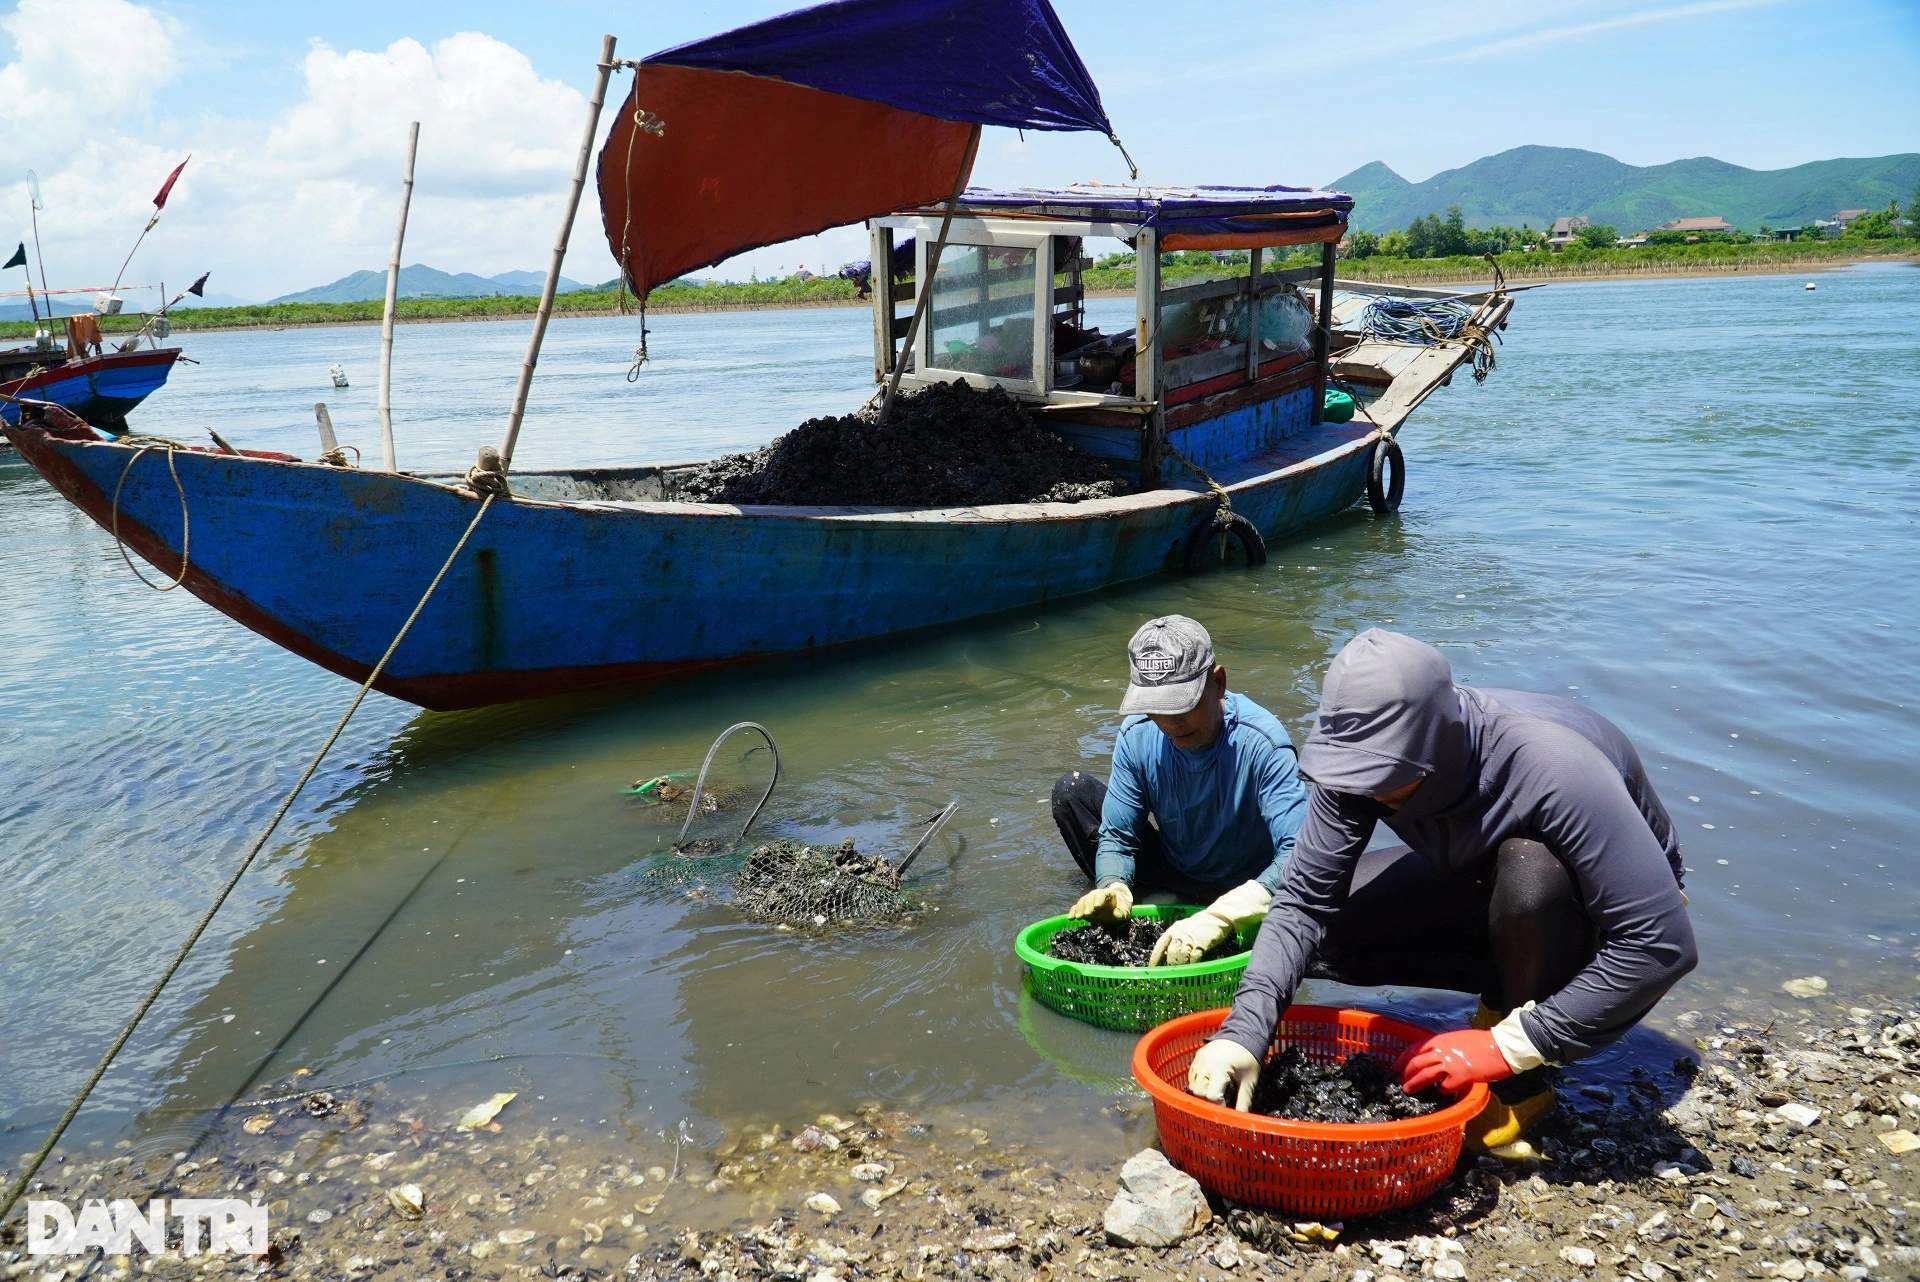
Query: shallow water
[[1689, 502]]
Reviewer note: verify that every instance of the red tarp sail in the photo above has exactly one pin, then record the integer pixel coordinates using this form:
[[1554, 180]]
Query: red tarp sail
[[744, 162], [820, 118]]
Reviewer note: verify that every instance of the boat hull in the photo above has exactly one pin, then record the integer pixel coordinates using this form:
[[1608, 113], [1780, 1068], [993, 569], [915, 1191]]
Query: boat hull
[[553, 597], [102, 389]]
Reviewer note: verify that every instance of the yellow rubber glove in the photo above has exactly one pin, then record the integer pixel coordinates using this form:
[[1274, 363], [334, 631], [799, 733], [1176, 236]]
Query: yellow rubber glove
[[1188, 939], [1104, 905], [1221, 1065]]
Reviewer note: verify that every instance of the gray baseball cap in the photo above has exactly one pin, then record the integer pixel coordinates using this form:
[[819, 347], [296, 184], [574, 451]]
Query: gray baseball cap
[[1169, 661]]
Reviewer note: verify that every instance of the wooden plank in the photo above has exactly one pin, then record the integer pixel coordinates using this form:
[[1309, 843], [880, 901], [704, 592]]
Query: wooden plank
[[1323, 333], [1269, 283], [1430, 368], [1276, 383], [903, 292], [1197, 368], [884, 295], [1146, 360], [1100, 440], [1253, 313], [1418, 291]]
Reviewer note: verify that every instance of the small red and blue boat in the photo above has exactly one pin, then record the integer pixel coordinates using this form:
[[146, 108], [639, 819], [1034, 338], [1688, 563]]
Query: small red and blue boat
[[1214, 404], [102, 387]]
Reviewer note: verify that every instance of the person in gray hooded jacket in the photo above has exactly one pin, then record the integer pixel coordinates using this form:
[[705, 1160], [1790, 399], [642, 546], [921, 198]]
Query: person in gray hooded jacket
[[1540, 871]]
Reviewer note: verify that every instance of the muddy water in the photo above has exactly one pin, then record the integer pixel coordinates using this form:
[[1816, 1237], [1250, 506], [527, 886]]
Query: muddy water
[[1688, 502]]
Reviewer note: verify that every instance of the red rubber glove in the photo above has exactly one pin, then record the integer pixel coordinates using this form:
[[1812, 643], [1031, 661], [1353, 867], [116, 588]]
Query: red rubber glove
[[1453, 1060]]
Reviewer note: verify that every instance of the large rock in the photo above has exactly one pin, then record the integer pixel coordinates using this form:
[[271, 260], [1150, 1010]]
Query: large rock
[[1157, 1205]]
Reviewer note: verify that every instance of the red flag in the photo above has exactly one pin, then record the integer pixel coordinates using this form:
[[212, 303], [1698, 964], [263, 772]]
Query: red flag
[[160, 201]]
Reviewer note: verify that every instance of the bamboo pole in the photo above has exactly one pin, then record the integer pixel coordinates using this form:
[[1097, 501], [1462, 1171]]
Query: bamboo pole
[[520, 390], [925, 291], [393, 295]]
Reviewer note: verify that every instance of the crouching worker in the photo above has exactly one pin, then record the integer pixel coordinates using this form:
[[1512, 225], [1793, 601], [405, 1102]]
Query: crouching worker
[[1540, 871], [1203, 803]]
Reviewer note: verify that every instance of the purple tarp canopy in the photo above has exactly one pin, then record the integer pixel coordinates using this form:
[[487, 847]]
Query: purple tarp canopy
[[1202, 217], [984, 62], [1182, 209]]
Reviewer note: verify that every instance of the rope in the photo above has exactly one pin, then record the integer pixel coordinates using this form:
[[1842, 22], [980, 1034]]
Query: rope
[[1426, 321], [1431, 322], [643, 122], [489, 476], [338, 457], [401, 1072], [186, 529], [33, 1165], [1223, 512]]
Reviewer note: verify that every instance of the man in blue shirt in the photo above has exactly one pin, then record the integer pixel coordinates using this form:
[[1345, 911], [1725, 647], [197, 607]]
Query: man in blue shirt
[[1204, 801]]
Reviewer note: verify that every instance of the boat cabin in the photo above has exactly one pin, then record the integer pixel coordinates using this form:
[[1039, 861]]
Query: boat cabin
[[1209, 372]]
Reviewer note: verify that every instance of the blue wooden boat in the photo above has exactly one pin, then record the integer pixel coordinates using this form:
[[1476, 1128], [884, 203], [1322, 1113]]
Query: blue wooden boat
[[101, 387], [595, 577]]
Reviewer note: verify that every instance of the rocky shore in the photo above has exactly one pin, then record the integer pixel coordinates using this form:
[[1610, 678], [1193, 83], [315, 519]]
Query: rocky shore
[[1782, 1148]]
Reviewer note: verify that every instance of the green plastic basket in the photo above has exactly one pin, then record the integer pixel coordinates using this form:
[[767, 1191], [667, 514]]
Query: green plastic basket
[[1130, 998]]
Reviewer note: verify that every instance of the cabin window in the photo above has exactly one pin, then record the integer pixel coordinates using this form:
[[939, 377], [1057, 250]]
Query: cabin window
[[982, 320]]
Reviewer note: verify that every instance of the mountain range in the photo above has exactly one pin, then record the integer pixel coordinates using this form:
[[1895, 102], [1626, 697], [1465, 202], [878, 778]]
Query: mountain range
[[421, 281], [75, 304], [1535, 185]]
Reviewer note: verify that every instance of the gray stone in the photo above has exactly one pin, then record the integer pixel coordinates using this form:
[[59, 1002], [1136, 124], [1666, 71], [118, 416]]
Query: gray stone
[[1157, 1205], [1797, 1113], [1693, 1115]]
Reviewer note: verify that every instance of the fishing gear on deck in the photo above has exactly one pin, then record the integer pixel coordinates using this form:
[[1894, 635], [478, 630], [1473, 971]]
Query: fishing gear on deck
[[1428, 322], [1414, 320]]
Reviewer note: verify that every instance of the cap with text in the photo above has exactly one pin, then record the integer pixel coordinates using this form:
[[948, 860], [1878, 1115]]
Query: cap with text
[[1169, 661]]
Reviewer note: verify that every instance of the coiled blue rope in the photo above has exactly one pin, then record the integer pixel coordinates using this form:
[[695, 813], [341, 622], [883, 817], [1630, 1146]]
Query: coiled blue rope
[[1414, 320]]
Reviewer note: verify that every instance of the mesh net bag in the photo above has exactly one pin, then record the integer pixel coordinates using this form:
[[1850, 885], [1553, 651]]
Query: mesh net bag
[[791, 883]]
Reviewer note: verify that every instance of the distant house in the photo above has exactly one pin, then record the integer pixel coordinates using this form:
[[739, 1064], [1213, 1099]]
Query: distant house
[[1565, 232], [1634, 241], [1698, 226], [1846, 216]]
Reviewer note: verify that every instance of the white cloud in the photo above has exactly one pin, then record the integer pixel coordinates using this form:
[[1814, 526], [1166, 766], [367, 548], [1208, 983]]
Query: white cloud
[[80, 64], [1639, 19], [274, 206]]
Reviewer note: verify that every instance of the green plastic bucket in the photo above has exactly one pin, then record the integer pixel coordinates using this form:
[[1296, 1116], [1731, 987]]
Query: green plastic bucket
[[1339, 406], [1130, 998]]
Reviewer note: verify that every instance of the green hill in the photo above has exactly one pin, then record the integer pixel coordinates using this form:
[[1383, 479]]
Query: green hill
[[422, 281], [1535, 185]]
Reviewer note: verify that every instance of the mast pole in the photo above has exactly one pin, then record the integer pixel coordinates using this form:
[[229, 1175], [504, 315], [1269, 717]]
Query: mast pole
[[925, 291], [520, 390], [393, 295], [33, 209]]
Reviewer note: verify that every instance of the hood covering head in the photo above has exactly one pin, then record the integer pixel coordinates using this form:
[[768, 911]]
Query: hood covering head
[[1389, 715]]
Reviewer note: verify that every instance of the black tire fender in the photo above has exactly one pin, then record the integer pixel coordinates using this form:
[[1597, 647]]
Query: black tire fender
[[1239, 528], [1384, 495]]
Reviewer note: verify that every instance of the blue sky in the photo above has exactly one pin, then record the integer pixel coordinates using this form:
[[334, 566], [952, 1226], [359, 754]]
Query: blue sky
[[296, 112]]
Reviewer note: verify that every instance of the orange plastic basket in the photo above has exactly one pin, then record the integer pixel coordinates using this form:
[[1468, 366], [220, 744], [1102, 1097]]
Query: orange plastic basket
[[1321, 1170]]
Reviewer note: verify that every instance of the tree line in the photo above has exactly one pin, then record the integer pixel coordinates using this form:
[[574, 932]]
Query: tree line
[[1435, 237]]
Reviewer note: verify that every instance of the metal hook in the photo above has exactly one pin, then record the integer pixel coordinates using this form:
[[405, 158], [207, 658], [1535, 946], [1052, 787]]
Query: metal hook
[[693, 806]]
